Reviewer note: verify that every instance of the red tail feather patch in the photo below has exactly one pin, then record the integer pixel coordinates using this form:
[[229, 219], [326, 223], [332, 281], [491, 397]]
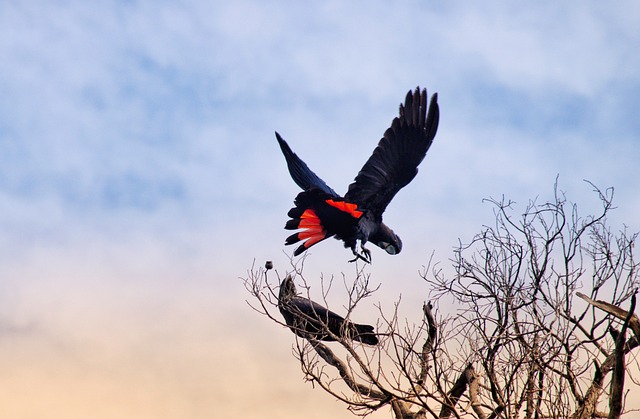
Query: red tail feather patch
[[309, 222], [310, 214], [349, 208], [310, 232], [313, 239], [313, 229]]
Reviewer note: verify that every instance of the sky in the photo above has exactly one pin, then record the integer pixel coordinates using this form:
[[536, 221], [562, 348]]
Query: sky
[[140, 178]]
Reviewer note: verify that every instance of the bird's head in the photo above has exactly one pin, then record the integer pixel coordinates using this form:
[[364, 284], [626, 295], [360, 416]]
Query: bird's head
[[386, 239], [287, 289]]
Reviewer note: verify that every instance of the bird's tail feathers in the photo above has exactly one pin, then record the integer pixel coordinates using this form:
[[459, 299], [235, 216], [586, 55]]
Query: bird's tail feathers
[[312, 231], [364, 333], [305, 218], [320, 215]]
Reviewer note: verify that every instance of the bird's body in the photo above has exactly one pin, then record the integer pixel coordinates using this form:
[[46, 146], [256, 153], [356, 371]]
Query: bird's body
[[321, 213], [310, 320]]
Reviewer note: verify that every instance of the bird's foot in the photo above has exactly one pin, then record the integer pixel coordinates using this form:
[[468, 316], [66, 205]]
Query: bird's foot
[[365, 255]]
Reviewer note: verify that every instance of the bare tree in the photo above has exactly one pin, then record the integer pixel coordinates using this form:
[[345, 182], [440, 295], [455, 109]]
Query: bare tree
[[519, 344]]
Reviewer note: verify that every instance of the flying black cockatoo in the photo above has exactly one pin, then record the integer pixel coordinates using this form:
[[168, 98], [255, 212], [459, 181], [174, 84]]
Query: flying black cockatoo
[[310, 320], [320, 212]]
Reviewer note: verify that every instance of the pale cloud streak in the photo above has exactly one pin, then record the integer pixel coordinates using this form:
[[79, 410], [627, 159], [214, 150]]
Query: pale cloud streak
[[140, 176]]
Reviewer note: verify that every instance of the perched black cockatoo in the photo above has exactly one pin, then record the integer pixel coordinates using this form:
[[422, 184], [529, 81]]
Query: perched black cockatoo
[[310, 320], [320, 212]]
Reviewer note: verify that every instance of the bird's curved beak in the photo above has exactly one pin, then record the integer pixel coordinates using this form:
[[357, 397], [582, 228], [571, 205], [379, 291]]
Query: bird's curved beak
[[389, 248]]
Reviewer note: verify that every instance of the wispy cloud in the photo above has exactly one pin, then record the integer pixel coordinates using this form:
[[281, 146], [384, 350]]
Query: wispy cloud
[[139, 175]]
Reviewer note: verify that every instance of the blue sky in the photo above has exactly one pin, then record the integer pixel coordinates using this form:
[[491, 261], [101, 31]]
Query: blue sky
[[139, 173]]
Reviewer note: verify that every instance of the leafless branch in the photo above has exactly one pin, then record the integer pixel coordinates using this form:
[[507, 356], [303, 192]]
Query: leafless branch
[[516, 343]]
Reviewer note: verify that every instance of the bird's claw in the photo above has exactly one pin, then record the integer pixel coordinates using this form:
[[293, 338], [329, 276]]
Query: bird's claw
[[365, 255]]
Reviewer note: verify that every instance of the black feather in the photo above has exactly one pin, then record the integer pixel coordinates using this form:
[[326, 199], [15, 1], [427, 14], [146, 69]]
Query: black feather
[[300, 172], [310, 320], [394, 162]]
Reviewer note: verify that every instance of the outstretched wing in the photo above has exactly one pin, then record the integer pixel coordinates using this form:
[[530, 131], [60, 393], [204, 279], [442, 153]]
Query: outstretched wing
[[394, 162], [300, 172]]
